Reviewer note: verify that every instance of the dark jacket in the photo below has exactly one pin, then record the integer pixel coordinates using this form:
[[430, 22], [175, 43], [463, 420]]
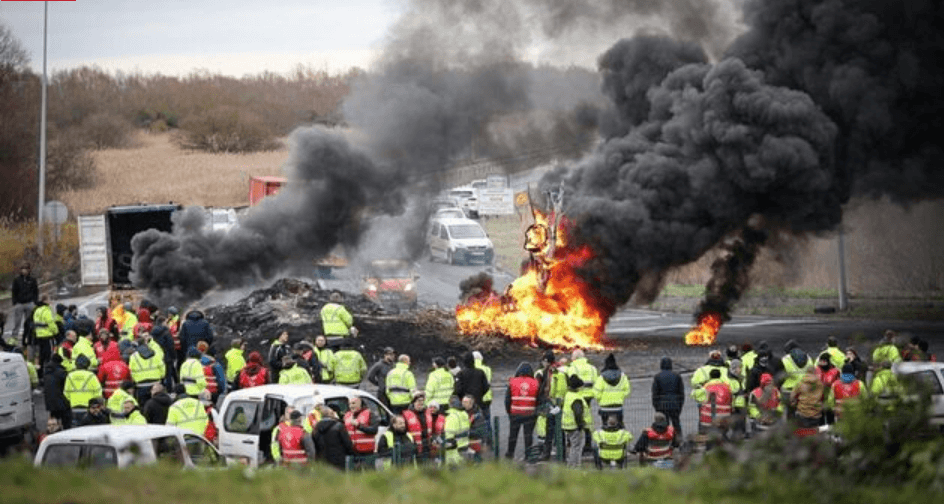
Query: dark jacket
[[193, 330], [764, 363], [155, 410], [403, 440], [54, 382], [161, 334], [25, 290], [378, 374], [668, 390], [471, 381], [332, 442]]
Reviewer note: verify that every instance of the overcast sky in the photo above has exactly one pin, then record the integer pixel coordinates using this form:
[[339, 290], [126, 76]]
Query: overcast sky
[[174, 37]]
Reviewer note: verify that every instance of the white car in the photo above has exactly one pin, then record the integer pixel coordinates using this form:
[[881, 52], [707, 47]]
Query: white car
[[929, 375], [459, 241], [467, 198], [249, 415], [16, 398], [125, 445], [448, 213]]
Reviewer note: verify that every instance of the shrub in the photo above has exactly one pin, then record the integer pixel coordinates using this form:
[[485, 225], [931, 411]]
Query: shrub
[[226, 129], [105, 130], [68, 164], [60, 259]]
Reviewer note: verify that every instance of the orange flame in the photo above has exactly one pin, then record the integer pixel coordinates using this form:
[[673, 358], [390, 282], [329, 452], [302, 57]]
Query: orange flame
[[563, 314], [704, 333]]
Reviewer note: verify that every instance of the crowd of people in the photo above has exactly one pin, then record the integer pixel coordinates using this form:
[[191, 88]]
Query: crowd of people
[[143, 364]]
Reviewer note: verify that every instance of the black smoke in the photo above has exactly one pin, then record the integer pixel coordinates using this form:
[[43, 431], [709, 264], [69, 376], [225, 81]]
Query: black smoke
[[819, 101]]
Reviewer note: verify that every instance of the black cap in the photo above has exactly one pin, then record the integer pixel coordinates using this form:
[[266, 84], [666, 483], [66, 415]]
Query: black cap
[[389, 350], [549, 356], [295, 415]]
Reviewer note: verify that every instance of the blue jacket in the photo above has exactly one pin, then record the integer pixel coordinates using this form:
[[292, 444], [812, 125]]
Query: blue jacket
[[218, 372], [195, 329]]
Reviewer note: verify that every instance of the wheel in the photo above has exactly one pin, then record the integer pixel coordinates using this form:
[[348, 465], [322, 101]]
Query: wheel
[[429, 253], [449, 258]]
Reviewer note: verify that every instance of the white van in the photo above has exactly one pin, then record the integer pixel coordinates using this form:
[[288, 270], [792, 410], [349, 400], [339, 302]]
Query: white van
[[248, 416], [16, 398], [459, 241], [929, 376], [99, 446]]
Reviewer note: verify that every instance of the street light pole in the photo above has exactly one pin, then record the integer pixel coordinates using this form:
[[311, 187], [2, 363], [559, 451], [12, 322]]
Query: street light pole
[[42, 142], [843, 294]]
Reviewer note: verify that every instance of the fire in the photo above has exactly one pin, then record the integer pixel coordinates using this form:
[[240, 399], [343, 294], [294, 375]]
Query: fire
[[705, 332], [562, 314]]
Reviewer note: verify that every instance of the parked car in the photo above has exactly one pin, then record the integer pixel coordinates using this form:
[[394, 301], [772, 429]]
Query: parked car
[[448, 213], [391, 283], [125, 445], [467, 198], [249, 415], [16, 398], [929, 376], [459, 241]]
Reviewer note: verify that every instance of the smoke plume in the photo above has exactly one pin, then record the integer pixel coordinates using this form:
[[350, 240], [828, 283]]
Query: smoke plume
[[818, 101]]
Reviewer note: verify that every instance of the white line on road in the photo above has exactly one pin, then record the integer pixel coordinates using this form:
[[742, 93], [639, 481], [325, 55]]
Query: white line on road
[[629, 330]]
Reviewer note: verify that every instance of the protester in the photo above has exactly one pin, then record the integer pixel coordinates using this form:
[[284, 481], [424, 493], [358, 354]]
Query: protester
[[332, 442], [377, 375], [521, 406], [668, 394], [400, 385], [610, 443], [656, 443], [155, 410]]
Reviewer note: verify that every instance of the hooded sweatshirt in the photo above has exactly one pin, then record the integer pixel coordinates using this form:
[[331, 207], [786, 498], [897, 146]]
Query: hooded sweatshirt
[[155, 410], [472, 381], [332, 442], [668, 391], [523, 371], [254, 373], [611, 372], [195, 329]]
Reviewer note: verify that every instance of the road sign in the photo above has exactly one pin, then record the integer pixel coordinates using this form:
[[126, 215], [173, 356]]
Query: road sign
[[56, 212]]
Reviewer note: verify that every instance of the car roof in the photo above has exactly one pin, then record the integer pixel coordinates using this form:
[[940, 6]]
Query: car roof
[[115, 434], [294, 391], [914, 367], [454, 221]]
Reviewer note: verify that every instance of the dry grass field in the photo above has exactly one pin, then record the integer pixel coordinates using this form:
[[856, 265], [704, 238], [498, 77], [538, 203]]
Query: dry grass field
[[157, 171]]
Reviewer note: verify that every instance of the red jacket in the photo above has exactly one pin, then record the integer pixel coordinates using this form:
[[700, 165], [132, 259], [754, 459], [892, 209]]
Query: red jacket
[[210, 432], [523, 391], [112, 353], [290, 443], [827, 377], [363, 441], [144, 321], [253, 375], [111, 374], [423, 431]]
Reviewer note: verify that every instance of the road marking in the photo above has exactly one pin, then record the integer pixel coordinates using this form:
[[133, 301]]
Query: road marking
[[630, 330]]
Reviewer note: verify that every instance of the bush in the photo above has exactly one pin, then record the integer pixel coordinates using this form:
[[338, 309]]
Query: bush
[[60, 259], [226, 129], [68, 164], [105, 130]]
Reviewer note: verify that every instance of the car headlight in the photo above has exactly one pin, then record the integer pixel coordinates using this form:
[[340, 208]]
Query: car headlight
[[408, 287], [372, 288]]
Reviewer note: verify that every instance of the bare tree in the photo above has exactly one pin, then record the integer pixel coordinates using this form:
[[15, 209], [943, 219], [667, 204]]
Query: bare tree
[[13, 58]]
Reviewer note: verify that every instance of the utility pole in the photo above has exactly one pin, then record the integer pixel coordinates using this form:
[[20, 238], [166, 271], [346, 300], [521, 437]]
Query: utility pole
[[843, 295], [42, 143]]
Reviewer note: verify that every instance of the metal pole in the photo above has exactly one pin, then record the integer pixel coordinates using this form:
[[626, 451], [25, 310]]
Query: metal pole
[[843, 295], [42, 143]]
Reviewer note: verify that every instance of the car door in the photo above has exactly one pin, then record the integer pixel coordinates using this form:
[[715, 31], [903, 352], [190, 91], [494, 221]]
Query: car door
[[201, 453], [239, 437], [272, 409], [432, 240]]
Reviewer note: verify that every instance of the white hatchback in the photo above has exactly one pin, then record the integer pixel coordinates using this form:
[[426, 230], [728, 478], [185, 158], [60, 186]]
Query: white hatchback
[[125, 445], [459, 241]]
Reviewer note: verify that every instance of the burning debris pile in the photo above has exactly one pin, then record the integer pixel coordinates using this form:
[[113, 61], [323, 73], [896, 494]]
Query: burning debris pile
[[294, 306], [550, 304]]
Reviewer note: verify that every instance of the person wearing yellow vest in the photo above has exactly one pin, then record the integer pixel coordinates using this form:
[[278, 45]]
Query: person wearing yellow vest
[[456, 432], [836, 356], [336, 320], [325, 358], [64, 350], [611, 389], [764, 405], [400, 384], [187, 412], [292, 373], [349, 366], [575, 420], [702, 374], [440, 384], [887, 350], [610, 443], [748, 357], [192, 375], [235, 361], [396, 446], [582, 369], [130, 320], [83, 346], [715, 402], [795, 364], [81, 386], [46, 330], [120, 395], [314, 416], [147, 368], [552, 386], [129, 415], [487, 397], [884, 385]]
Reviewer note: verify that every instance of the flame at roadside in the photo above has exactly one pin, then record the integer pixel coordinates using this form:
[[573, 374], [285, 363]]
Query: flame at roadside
[[564, 314], [706, 331]]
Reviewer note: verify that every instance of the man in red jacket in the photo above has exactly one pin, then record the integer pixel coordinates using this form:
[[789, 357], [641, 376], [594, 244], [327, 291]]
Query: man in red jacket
[[254, 373], [362, 426], [521, 405], [111, 374]]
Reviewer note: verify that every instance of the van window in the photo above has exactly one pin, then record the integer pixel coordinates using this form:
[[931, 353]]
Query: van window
[[442, 233], [460, 231], [338, 404], [376, 409], [462, 194], [62, 455], [201, 452], [241, 417], [168, 448], [102, 456]]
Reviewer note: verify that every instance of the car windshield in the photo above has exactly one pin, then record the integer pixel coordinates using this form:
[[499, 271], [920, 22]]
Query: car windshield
[[461, 231], [450, 214], [390, 272], [462, 194]]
